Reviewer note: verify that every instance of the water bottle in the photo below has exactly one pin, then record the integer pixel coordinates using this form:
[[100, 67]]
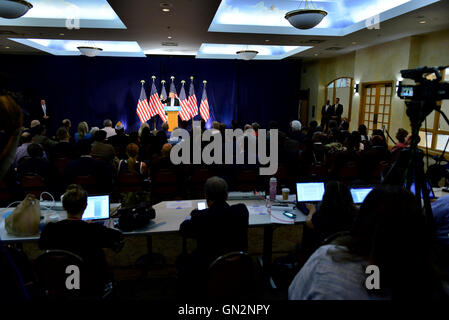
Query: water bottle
[[268, 204], [273, 186]]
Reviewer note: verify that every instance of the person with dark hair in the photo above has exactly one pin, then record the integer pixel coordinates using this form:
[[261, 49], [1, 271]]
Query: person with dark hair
[[84, 239], [363, 132], [85, 165], [327, 111], [132, 165], [389, 232], [370, 158], [102, 150], [120, 140], [36, 164], [335, 213], [338, 111], [64, 148], [401, 135], [42, 139], [22, 151]]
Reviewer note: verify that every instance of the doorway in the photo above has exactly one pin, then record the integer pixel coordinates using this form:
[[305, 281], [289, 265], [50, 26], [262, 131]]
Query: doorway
[[375, 109]]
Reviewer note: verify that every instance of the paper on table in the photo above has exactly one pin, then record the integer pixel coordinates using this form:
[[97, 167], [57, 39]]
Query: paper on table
[[257, 210], [179, 204], [277, 216]]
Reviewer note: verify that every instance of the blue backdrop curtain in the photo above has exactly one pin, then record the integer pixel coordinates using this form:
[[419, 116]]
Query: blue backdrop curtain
[[93, 89]]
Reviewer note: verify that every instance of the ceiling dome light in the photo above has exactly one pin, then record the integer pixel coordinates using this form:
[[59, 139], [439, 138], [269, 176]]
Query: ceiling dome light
[[13, 9], [247, 54], [306, 18], [90, 51]]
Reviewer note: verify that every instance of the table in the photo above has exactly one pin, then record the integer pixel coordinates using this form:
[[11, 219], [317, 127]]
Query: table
[[170, 215]]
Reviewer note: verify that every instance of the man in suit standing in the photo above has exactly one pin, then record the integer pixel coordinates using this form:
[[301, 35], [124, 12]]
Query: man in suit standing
[[171, 101], [327, 111], [338, 111], [41, 113]]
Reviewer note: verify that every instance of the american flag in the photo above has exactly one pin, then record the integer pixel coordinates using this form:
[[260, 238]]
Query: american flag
[[184, 114], [163, 93], [143, 109], [156, 104], [193, 104], [173, 89], [204, 105]]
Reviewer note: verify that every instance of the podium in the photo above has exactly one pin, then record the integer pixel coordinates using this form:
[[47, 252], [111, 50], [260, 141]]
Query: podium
[[172, 114]]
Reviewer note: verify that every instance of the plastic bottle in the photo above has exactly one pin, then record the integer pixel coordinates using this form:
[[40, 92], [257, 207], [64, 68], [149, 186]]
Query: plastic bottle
[[273, 187], [268, 204]]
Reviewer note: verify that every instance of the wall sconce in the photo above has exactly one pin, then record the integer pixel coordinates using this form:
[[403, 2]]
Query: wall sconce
[[356, 88]]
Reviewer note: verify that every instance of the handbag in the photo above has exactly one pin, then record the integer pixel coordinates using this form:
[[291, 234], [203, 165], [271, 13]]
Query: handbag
[[24, 220]]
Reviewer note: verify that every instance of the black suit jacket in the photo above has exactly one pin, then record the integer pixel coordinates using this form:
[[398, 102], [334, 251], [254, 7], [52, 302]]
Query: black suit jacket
[[327, 114], [168, 102], [338, 111], [219, 229]]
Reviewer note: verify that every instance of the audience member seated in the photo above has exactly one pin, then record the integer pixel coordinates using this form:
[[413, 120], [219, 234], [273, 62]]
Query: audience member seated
[[350, 154], [83, 132], [102, 150], [26, 139], [162, 161], [388, 232], [120, 140], [219, 229], [344, 132], [296, 133], [335, 213], [403, 141], [84, 239], [85, 165], [110, 131], [42, 139], [131, 165], [370, 159], [36, 164], [64, 148]]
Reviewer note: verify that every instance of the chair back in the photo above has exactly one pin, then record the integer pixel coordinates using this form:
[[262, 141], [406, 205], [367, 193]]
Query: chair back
[[231, 276], [60, 165], [246, 180], [33, 184], [55, 277], [88, 183], [129, 182], [165, 184]]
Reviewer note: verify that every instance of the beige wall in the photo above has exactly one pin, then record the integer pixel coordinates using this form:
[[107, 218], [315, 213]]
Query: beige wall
[[377, 63]]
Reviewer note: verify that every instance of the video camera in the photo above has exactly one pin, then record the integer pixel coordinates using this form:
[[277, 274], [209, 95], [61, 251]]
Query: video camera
[[421, 99]]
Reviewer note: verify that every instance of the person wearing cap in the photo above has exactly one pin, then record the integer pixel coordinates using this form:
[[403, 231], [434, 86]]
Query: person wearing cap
[[120, 140], [110, 131]]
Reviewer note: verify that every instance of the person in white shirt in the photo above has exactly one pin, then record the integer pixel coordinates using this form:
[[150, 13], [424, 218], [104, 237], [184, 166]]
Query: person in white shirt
[[110, 131]]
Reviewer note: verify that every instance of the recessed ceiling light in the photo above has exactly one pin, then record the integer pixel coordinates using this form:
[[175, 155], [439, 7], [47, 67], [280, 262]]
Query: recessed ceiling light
[[6, 47], [169, 37], [166, 9], [267, 40], [61, 34], [422, 22]]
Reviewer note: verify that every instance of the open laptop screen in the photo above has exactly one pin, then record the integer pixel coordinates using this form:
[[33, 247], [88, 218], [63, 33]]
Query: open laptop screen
[[309, 191], [359, 194], [97, 208]]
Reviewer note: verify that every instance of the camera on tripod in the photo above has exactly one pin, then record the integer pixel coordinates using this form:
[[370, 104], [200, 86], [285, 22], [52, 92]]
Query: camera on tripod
[[421, 99]]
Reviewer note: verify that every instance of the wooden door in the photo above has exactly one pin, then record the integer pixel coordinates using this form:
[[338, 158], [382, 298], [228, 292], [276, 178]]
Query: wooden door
[[375, 108]]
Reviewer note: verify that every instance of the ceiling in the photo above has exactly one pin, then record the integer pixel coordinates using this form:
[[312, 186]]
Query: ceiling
[[190, 24]]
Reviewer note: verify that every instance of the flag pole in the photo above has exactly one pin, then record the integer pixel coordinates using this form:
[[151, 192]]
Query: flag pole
[[155, 123], [191, 80]]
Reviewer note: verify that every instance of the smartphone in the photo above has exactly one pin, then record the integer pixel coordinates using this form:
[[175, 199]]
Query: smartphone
[[289, 215], [201, 205]]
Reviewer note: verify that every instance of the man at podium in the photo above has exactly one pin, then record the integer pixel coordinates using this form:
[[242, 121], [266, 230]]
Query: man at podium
[[171, 101]]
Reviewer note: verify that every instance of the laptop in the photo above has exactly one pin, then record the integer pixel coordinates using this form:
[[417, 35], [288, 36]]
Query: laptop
[[97, 208], [309, 192], [359, 194]]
